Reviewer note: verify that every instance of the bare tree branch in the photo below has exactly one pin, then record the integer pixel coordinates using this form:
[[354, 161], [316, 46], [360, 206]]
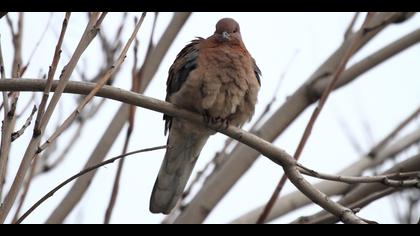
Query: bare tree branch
[[399, 179], [9, 121], [26, 187], [5, 129], [348, 53], [47, 26], [51, 73], [159, 51], [355, 206], [134, 87], [363, 190], [267, 149]]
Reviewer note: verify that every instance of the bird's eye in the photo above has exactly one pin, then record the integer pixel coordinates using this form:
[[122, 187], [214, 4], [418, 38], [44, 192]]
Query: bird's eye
[[235, 30]]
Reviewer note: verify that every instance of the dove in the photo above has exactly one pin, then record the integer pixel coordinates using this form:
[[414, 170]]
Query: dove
[[216, 77]]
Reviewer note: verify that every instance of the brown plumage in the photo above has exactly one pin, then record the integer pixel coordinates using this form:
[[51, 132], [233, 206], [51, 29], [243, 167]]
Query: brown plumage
[[216, 77]]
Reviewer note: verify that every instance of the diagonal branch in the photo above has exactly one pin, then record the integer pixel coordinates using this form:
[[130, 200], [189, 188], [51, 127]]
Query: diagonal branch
[[28, 121], [348, 53], [296, 200]]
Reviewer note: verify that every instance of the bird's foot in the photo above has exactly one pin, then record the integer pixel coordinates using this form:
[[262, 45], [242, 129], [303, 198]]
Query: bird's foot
[[216, 122], [220, 123]]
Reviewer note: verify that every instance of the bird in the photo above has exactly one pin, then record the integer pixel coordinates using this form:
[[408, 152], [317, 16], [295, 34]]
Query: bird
[[217, 78]]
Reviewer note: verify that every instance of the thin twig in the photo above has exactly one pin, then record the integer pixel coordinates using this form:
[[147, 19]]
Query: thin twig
[[27, 106], [47, 26], [54, 190], [116, 185], [388, 179], [388, 138], [76, 136], [276, 90], [18, 133], [348, 132], [349, 30]]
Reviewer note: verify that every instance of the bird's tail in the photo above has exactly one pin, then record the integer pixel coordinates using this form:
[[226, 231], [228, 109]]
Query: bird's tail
[[184, 149]]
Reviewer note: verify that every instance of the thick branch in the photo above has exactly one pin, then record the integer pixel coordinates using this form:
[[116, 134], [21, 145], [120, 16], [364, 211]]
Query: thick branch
[[267, 149]]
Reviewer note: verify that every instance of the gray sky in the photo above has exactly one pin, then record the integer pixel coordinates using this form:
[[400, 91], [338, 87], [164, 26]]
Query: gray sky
[[383, 97]]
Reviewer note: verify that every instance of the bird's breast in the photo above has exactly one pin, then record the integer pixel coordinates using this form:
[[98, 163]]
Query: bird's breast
[[226, 84]]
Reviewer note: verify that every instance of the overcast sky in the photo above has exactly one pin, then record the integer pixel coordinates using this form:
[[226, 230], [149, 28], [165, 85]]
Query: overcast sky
[[382, 97]]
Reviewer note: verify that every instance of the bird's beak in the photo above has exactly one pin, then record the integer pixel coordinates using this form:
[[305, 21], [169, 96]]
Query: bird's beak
[[225, 35]]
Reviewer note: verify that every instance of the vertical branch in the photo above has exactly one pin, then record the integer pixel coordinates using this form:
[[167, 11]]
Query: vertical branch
[[51, 73], [4, 142], [3, 76], [135, 88], [10, 118], [47, 26], [17, 43], [116, 185]]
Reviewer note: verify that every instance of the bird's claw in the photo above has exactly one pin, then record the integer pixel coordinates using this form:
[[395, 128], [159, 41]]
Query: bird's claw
[[216, 122], [220, 123]]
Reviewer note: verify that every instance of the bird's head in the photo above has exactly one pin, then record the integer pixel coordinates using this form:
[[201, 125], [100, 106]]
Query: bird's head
[[227, 30]]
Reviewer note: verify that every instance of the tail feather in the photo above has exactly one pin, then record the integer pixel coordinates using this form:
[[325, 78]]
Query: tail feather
[[180, 158]]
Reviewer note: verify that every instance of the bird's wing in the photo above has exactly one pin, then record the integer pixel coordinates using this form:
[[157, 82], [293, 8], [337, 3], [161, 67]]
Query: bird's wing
[[185, 62], [257, 71]]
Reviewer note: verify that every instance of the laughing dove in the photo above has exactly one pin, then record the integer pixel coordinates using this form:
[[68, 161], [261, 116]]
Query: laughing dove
[[216, 77]]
